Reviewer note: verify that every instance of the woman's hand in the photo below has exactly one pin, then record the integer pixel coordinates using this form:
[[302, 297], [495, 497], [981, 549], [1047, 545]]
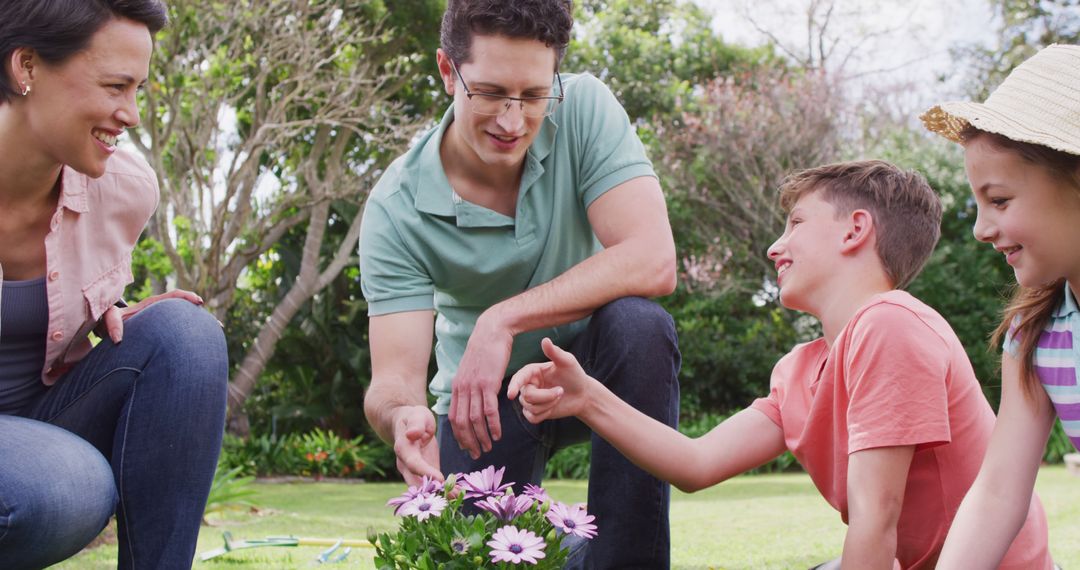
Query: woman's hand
[[114, 317]]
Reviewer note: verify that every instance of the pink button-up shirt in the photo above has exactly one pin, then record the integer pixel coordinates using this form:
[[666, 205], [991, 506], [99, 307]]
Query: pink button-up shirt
[[88, 252]]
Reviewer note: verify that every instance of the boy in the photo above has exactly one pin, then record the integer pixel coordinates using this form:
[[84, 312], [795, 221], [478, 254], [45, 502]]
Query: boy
[[884, 411]]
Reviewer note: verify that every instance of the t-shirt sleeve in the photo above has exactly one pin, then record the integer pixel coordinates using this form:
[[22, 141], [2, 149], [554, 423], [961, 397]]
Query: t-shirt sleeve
[[896, 371], [1011, 345], [609, 149], [770, 406], [392, 279], [783, 374]]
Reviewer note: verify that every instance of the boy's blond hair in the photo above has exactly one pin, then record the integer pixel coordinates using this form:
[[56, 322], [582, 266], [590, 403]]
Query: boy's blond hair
[[906, 211]]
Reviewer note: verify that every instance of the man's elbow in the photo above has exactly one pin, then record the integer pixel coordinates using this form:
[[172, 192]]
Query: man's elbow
[[690, 485], [664, 276], [667, 281]]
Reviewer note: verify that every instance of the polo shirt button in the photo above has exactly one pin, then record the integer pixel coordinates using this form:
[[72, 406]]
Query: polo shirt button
[[58, 335], [54, 276]]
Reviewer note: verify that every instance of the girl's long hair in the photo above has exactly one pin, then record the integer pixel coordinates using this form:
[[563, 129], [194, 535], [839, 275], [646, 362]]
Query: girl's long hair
[[1031, 307]]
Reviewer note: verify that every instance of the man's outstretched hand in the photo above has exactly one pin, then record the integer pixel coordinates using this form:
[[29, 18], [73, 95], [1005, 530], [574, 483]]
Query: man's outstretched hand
[[415, 444]]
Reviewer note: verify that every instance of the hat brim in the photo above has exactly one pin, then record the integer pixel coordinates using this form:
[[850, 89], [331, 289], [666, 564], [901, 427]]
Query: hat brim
[[950, 119]]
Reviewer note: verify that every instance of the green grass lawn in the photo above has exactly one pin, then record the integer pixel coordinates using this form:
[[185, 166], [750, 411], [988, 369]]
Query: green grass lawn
[[761, 521]]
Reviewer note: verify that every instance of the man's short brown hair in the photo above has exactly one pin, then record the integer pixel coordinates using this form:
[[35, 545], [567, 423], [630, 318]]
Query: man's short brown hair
[[906, 211]]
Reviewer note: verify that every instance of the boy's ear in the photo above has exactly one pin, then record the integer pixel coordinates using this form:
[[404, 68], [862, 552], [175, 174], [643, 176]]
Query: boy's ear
[[860, 231]]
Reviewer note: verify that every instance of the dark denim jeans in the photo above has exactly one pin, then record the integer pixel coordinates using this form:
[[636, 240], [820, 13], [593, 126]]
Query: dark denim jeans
[[134, 427], [630, 345]]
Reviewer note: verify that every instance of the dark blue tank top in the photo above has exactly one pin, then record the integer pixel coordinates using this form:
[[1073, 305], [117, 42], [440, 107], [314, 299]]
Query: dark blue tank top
[[24, 323]]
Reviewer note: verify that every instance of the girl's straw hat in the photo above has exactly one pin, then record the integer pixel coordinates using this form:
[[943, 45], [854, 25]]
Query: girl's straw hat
[[1039, 102]]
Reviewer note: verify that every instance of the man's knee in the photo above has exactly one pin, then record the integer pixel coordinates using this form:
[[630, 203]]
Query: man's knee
[[637, 355], [638, 322]]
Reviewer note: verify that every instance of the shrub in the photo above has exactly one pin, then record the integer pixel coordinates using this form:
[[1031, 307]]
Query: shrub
[[230, 490], [317, 453]]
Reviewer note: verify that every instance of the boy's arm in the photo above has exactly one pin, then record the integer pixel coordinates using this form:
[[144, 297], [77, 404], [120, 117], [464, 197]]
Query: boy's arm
[[396, 400], [876, 482], [561, 388], [638, 259], [996, 506]]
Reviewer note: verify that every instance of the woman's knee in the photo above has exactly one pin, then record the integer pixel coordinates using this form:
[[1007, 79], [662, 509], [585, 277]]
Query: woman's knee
[[182, 323], [58, 493], [186, 335]]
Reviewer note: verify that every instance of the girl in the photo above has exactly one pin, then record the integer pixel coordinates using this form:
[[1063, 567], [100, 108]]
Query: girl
[[133, 425], [1022, 156]]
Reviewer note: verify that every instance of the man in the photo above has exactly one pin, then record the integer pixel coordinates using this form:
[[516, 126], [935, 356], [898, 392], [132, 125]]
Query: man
[[530, 211]]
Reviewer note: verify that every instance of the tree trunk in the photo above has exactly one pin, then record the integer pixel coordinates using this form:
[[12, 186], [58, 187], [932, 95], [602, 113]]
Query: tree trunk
[[309, 282]]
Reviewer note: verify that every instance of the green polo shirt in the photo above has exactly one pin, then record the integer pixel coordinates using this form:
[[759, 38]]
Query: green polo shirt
[[424, 248]]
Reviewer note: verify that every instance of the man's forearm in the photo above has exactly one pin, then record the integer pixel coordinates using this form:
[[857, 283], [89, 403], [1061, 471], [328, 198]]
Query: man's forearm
[[613, 273]]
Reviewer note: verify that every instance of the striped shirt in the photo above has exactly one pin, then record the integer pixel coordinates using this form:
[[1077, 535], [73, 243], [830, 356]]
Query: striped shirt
[[1056, 358]]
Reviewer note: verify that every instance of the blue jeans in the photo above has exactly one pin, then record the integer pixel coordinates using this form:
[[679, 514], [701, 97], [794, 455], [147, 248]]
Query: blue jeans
[[630, 345], [133, 428]]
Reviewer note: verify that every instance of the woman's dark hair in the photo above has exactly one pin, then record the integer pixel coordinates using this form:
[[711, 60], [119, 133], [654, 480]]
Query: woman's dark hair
[[548, 21], [58, 29]]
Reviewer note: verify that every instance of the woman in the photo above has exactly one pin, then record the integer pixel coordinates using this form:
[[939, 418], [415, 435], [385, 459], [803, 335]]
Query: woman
[[133, 425]]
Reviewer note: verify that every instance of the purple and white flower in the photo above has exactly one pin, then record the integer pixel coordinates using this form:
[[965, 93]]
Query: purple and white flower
[[427, 486], [485, 483], [424, 506], [509, 544], [460, 545], [572, 520], [507, 507], [536, 493]]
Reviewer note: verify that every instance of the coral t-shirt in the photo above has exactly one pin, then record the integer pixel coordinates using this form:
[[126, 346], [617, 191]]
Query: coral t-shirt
[[896, 375]]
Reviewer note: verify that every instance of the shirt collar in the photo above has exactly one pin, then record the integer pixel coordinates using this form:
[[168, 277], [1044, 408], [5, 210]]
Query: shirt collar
[[73, 190], [433, 192], [1068, 306]]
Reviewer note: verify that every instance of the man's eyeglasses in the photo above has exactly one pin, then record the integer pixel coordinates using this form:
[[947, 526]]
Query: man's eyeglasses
[[493, 105]]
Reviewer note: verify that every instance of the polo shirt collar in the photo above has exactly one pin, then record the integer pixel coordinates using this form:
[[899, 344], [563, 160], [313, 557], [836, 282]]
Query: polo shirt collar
[[73, 191], [433, 192], [1068, 306], [435, 196]]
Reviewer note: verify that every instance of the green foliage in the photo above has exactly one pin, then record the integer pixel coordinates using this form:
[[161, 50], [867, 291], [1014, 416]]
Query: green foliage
[[1058, 445], [260, 455], [652, 53], [1024, 27], [230, 490], [571, 462], [316, 453], [729, 346], [327, 454], [149, 263]]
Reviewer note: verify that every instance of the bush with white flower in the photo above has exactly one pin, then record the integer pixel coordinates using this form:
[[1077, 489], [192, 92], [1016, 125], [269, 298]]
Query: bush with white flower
[[510, 531]]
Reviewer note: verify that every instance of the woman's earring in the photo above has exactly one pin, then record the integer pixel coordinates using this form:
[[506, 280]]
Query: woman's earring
[[25, 89]]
